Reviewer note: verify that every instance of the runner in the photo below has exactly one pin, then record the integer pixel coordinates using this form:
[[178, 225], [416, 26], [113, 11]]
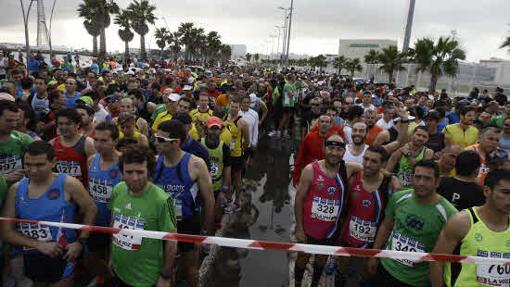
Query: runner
[[49, 253], [369, 191], [170, 109], [489, 142], [477, 231], [252, 118], [200, 115], [447, 160], [71, 148], [319, 203], [463, 133], [413, 220], [71, 95], [127, 105], [186, 178], [12, 143], [403, 160], [126, 121], [239, 129], [104, 174], [87, 116], [138, 204]]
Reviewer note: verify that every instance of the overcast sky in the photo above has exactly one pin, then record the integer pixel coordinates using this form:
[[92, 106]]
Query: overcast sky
[[481, 26]]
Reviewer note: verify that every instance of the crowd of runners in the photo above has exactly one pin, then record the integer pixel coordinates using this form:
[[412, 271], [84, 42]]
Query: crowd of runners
[[165, 146]]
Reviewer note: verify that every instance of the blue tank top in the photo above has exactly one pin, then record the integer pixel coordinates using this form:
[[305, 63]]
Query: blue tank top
[[176, 181], [70, 102], [51, 206], [101, 183]]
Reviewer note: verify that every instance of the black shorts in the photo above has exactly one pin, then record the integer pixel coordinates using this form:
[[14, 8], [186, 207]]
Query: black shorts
[[41, 268], [188, 226], [237, 163], [328, 241], [98, 242], [383, 278]]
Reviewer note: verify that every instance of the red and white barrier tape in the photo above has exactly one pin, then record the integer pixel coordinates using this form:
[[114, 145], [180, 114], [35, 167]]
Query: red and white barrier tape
[[272, 245]]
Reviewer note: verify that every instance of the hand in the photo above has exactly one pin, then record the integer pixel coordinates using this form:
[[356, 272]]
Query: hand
[[300, 235], [404, 150], [372, 266], [73, 251], [51, 249], [15, 175], [163, 282]]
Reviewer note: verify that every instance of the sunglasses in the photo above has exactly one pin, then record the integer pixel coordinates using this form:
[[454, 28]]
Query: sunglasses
[[161, 139]]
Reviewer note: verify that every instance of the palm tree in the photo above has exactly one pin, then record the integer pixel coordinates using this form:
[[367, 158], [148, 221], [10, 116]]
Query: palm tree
[[354, 65], [438, 59], [142, 13], [198, 45], [256, 57], [88, 11], [506, 43], [213, 45], [161, 35], [174, 43], [97, 12], [339, 63], [248, 57], [184, 31], [371, 58], [122, 19], [225, 52], [392, 60]]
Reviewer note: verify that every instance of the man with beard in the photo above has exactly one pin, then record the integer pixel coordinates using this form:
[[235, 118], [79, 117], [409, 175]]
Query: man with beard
[[319, 203], [403, 160], [368, 195], [310, 116], [447, 160], [489, 141], [436, 139], [376, 134], [462, 133]]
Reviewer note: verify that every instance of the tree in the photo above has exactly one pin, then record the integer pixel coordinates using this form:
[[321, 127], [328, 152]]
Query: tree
[[506, 43], [141, 13], [122, 19], [318, 62], [256, 57], [372, 57], [87, 10], [441, 58], [339, 63], [353, 65], [392, 60], [184, 31], [161, 35], [225, 52], [212, 45], [97, 12], [248, 57], [174, 43]]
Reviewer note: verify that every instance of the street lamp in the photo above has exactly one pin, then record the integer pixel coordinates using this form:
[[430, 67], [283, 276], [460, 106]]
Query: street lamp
[[288, 33], [278, 45], [25, 23], [285, 17]]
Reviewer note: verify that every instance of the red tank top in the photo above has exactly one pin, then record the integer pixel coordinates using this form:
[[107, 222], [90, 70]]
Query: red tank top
[[323, 204], [71, 160], [364, 213]]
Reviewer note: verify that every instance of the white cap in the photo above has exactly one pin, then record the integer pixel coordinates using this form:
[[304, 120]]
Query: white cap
[[187, 88], [174, 97]]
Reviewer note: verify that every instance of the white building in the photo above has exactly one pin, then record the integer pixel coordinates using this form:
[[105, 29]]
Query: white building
[[502, 67], [238, 50], [358, 48]]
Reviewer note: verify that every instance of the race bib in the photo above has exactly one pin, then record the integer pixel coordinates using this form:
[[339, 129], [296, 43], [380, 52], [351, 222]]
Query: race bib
[[100, 190], [178, 207], [493, 274], [325, 209], [401, 242], [232, 144], [35, 231], [362, 230], [71, 168], [483, 169], [128, 242], [404, 178], [214, 169], [10, 164]]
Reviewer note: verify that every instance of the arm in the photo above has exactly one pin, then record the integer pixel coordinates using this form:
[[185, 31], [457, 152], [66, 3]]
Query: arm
[[395, 184], [392, 162], [302, 191], [382, 137], [383, 233], [352, 168], [264, 110], [245, 133], [199, 168], [255, 132], [89, 147], [81, 197], [453, 232], [429, 154]]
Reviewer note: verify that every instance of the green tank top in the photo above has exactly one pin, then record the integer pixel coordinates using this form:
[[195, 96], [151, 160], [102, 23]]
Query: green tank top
[[405, 169], [216, 158], [481, 241]]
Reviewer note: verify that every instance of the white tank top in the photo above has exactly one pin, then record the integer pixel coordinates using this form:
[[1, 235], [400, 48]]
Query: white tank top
[[348, 156]]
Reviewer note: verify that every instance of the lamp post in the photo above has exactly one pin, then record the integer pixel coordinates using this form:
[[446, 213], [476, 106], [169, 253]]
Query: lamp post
[[409, 25], [278, 44], [284, 47], [288, 33], [49, 31], [25, 23]]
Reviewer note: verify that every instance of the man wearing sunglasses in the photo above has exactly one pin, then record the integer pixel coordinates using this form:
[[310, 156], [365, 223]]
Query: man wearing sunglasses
[[186, 178], [319, 204]]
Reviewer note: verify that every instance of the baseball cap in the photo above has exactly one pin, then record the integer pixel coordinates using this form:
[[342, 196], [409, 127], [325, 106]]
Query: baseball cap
[[187, 88], [86, 100], [214, 122], [174, 97]]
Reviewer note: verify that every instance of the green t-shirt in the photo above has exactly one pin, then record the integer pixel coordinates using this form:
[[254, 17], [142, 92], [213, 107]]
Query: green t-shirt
[[138, 261], [11, 151], [289, 89], [416, 228]]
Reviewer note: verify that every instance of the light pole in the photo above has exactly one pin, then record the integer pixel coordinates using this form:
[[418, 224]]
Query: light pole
[[49, 32], [278, 44], [288, 33], [284, 47], [409, 25], [25, 23]]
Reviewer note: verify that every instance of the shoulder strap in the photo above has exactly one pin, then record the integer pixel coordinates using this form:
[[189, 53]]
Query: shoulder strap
[[473, 215], [384, 189]]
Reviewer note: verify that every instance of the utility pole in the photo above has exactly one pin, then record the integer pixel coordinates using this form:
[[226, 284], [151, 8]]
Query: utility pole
[[278, 44], [409, 25], [285, 17], [25, 23], [288, 33], [49, 31]]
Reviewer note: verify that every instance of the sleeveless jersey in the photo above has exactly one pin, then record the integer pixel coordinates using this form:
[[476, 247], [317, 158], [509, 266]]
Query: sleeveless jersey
[[364, 214], [101, 183], [323, 204], [236, 149], [481, 241], [176, 181], [71, 160], [136, 135], [348, 156], [51, 206], [216, 158], [405, 169]]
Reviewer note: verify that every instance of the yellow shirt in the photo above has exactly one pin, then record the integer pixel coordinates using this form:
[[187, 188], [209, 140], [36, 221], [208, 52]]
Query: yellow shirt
[[458, 136], [199, 119], [164, 116], [225, 135]]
